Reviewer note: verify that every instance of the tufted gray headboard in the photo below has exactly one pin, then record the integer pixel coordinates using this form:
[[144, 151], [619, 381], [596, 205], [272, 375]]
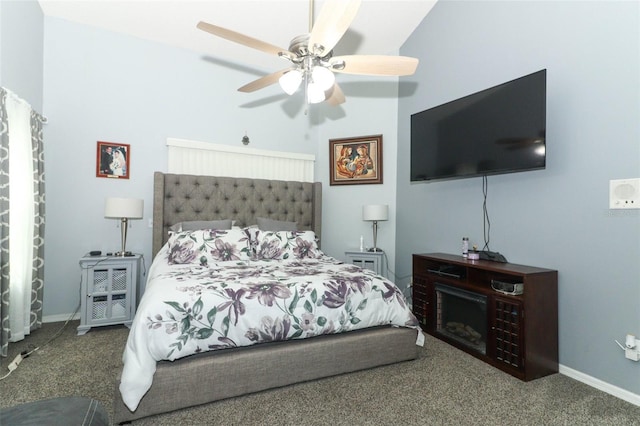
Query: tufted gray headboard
[[179, 198]]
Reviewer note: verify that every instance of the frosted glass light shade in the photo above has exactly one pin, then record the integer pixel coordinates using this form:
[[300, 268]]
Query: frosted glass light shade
[[375, 212], [315, 94], [117, 208], [290, 81], [323, 77]]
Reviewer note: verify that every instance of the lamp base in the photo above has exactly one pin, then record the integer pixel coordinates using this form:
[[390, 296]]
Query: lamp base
[[375, 250], [123, 253]]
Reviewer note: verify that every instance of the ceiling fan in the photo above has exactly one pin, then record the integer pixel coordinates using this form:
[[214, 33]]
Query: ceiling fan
[[312, 63]]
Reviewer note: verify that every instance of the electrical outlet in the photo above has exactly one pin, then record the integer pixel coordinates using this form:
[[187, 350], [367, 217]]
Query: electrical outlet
[[632, 354], [632, 349]]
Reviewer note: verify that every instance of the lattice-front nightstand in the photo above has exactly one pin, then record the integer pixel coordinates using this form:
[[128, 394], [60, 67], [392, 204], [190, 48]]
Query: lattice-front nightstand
[[374, 261], [108, 290]]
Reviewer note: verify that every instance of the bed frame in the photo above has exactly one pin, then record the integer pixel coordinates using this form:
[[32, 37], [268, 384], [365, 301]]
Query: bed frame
[[179, 384]]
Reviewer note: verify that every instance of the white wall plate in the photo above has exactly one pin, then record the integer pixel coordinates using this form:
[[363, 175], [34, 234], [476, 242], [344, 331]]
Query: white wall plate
[[624, 194]]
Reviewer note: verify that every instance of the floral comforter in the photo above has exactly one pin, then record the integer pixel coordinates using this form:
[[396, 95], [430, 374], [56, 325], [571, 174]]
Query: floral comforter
[[188, 309]]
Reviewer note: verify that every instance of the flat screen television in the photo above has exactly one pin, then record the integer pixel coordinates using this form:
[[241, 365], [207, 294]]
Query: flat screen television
[[498, 130]]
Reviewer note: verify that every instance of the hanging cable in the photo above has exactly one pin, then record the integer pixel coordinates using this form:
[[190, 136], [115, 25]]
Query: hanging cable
[[25, 354], [486, 226]]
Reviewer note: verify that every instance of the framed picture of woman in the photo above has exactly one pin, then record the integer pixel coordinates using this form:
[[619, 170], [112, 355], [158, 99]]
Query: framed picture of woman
[[355, 161], [113, 160]]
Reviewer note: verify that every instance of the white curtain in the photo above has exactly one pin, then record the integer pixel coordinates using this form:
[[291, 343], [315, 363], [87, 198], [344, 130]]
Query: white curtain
[[21, 216], [22, 219]]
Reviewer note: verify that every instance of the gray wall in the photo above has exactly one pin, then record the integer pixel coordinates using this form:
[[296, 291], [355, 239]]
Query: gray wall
[[21, 48], [369, 110], [556, 218]]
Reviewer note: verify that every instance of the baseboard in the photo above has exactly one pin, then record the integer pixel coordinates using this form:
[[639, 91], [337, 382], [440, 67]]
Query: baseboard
[[600, 385], [60, 317]]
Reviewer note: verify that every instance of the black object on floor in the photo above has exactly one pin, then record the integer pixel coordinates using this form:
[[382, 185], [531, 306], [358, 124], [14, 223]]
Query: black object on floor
[[67, 411]]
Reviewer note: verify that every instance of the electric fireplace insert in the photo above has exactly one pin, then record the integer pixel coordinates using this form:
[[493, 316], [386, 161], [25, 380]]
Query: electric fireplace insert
[[462, 316]]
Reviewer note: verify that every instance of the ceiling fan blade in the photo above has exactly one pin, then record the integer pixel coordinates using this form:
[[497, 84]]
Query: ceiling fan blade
[[336, 97], [241, 38], [263, 82], [333, 21], [375, 65]]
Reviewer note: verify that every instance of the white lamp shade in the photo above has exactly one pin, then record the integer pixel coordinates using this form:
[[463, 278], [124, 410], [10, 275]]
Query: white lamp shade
[[290, 81], [117, 208], [375, 212], [323, 77], [315, 94]]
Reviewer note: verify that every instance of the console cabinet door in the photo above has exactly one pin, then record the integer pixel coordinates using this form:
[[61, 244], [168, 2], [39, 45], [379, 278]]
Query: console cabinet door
[[507, 332], [109, 293], [422, 302]]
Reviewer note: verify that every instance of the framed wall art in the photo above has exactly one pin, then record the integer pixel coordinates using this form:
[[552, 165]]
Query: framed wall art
[[113, 160], [355, 161]]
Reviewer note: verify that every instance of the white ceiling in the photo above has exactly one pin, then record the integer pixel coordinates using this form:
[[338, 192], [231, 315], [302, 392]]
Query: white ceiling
[[380, 27]]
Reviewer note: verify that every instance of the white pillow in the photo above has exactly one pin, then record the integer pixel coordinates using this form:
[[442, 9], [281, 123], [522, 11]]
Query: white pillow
[[276, 225], [194, 225]]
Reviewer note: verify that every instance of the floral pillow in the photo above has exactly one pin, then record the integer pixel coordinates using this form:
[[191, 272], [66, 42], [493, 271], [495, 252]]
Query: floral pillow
[[205, 246], [283, 245]]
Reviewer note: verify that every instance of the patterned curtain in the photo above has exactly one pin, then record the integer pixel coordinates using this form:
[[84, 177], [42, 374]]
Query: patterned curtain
[[4, 224], [37, 281], [37, 284]]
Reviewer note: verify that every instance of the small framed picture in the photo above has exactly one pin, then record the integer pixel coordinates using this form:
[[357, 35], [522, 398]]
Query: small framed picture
[[354, 161], [113, 160]]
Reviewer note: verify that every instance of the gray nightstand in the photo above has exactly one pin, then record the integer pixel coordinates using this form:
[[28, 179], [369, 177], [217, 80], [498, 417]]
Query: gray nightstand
[[108, 290], [374, 261]]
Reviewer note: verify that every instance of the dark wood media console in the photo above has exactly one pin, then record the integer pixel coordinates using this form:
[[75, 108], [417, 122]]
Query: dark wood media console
[[454, 301]]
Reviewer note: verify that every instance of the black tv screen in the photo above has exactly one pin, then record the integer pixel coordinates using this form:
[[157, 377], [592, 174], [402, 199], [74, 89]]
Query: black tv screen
[[498, 130]]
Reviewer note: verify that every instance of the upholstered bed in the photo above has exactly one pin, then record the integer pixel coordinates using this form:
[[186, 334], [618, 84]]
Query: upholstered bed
[[210, 376]]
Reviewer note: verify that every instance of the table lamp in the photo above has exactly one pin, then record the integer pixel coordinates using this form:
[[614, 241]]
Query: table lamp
[[123, 209], [374, 213]]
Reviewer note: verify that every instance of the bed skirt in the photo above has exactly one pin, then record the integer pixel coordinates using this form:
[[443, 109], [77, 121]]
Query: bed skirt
[[240, 371]]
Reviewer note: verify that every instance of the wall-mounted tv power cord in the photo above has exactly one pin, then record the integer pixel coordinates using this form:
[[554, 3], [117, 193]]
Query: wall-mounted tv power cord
[[486, 224]]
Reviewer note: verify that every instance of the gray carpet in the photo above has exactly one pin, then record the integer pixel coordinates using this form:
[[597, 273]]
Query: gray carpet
[[444, 386]]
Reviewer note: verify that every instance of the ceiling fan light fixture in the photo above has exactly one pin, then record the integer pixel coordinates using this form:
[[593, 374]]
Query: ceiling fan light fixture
[[312, 64], [338, 65], [290, 81], [323, 77], [315, 94]]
